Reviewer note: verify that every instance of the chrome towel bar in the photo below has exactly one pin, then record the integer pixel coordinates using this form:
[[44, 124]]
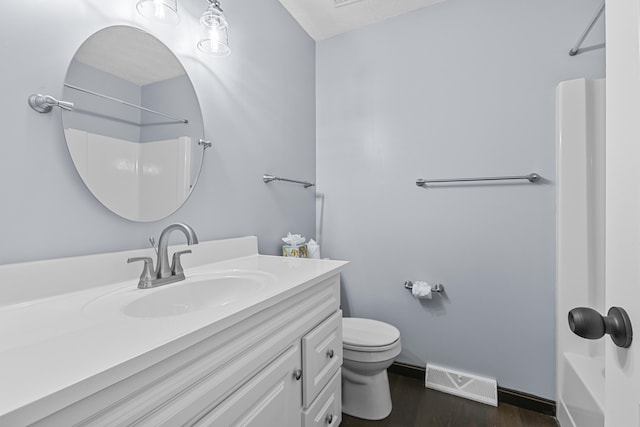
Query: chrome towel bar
[[129, 104], [45, 103], [532, 177], [268, 178]]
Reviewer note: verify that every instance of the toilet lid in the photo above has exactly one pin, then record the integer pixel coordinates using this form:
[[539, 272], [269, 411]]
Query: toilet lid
[[368, 332]]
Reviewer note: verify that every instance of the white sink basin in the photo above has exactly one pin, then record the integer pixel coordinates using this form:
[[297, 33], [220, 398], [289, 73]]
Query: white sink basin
[[198, 292]]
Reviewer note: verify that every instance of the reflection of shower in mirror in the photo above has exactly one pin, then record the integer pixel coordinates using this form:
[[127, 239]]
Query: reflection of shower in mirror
[[153, 178]]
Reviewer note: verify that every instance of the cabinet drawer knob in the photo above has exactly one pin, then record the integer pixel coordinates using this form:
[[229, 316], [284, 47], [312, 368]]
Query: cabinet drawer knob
[[329, 419], [330, 354], [297, 374]]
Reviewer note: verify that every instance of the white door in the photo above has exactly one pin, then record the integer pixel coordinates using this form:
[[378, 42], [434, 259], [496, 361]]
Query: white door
[[273, 397], [622, 366]]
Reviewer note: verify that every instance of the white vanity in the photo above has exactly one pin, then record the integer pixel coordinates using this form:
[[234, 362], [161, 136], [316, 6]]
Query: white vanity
[[246, 339]]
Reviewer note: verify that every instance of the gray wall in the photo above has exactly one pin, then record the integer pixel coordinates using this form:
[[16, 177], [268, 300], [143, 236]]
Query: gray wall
[[461, 89], [258, 106]]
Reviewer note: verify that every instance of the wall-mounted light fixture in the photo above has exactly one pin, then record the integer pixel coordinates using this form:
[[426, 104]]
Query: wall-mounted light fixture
[[165, 11], [214, 36]]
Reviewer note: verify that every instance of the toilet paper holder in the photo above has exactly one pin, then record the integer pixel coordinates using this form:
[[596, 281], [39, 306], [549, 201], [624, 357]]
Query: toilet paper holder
[[438, 287]]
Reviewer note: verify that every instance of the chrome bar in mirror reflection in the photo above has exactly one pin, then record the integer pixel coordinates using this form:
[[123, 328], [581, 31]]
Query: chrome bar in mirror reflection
[[532, 177], [268, 178], [90, 92]]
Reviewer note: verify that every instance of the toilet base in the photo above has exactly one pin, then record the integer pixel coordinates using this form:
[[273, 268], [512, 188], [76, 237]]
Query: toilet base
[[366, 396]]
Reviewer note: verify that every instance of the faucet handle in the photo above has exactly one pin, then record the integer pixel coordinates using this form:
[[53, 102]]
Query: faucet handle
[[146, 278], [176, 265]]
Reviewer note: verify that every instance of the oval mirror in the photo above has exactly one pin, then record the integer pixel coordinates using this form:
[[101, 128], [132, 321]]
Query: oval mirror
[[135, 130]]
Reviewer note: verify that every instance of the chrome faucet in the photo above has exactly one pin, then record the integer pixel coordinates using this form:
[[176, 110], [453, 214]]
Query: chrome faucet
[[164, 274]]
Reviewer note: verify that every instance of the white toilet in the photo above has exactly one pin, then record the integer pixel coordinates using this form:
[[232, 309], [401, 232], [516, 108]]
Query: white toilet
[[370, 346]]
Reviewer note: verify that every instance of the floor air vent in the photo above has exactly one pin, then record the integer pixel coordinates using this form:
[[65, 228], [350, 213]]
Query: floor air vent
[[469, 386]]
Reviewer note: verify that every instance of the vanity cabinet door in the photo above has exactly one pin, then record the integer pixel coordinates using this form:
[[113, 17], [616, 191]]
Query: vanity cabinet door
[[321, 356], [271, 398]]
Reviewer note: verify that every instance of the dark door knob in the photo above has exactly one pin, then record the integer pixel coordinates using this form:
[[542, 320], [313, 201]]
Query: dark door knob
[[588, 323]]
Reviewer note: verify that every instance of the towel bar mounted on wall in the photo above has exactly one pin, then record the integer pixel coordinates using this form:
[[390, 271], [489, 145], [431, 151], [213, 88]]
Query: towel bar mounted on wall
[[532, 177], [268, 178], [45, 103], [129, 104]]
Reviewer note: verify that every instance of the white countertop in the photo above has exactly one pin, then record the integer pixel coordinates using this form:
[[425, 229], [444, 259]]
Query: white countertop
[[65, 346]]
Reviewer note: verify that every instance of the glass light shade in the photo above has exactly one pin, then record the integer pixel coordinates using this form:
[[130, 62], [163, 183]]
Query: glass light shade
[[214, 37], [164, 11], [215, 42]]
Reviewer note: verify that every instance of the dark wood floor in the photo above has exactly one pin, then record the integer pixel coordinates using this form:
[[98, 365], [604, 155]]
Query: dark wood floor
[[417, 406]]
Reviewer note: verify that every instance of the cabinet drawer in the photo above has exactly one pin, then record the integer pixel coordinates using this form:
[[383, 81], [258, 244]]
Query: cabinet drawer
[[326, 411], [321, 356]]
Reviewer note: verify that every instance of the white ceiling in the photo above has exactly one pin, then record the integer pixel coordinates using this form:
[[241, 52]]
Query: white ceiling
[[130, 54], [326, 18]]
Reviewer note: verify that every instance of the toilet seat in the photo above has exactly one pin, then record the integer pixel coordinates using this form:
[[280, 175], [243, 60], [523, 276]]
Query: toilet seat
[[381, 348], [368, 335]]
